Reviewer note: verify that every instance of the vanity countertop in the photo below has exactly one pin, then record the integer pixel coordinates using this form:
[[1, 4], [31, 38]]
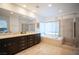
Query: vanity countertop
[[15, 35]]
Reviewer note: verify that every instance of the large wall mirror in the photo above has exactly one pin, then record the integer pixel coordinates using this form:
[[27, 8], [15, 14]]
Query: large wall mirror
[[11, 22], [3, 26], [4, 21]]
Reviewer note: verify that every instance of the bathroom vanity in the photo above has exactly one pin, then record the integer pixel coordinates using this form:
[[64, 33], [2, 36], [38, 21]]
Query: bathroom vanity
[[12, 44]]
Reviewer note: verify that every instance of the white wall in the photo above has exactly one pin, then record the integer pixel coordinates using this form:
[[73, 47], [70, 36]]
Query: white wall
[[14, 24]]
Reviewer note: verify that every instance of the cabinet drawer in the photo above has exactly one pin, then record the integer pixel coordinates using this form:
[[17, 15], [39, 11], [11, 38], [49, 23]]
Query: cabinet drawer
[[31, 44], [31, 39], [37, 38], [22, 41], [22, 47], [30, 36], [12, 50], [3, 53], [36, 42], [22, 44]]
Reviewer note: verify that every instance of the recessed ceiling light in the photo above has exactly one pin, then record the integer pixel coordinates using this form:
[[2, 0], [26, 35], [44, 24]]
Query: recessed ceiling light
[[24, 5], [32, 15], [49, 5]]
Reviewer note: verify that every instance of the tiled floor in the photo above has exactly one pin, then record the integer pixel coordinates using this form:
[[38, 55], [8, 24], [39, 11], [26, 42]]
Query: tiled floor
[[48, 49]]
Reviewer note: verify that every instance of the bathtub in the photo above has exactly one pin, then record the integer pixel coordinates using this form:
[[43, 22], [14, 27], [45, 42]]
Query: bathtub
[[52, 40]]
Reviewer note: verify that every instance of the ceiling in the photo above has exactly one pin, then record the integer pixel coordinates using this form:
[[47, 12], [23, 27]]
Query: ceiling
[[7, 13], [56, 9], [42, 9]]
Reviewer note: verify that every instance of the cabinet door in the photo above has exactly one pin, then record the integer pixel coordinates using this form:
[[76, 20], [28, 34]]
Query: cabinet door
[[22, 43], [37, 38], [3, 48], [30, 40], [11, 45]]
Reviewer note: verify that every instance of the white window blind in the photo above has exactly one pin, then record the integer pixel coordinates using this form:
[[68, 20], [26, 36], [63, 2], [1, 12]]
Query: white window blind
[[50, 28]]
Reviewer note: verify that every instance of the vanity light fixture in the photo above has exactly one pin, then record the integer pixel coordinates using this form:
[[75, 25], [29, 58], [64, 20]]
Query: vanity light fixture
[[11, 13], [49, 5]]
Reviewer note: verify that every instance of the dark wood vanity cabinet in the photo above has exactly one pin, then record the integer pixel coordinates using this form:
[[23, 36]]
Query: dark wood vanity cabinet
[[10, 46]]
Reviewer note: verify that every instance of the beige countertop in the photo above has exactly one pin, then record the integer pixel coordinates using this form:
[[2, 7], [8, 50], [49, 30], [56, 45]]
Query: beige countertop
[[15, 35]]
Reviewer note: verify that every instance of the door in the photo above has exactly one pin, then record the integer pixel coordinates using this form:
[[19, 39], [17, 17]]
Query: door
[[77, 32], [67, 30]]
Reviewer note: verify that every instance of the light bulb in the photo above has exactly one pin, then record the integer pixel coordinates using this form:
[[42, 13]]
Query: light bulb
[[50, 5]]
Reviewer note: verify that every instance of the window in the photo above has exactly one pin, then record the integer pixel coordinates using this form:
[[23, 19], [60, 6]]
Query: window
[[3, 26], [50, 28]]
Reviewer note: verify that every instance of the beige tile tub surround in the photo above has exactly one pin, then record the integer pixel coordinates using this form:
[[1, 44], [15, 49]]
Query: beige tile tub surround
[[49, 47], [52, 41]]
